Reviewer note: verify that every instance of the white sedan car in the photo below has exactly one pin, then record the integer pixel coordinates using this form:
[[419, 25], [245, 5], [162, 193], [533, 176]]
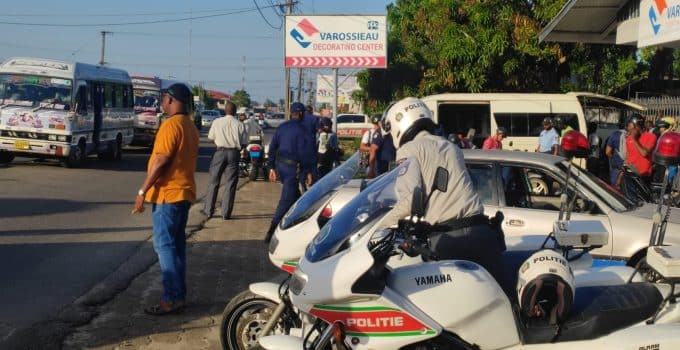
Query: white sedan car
[[526, 187], [208, 116]]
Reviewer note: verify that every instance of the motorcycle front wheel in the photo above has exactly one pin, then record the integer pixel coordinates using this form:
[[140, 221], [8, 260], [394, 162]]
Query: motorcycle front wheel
[[243, 320]]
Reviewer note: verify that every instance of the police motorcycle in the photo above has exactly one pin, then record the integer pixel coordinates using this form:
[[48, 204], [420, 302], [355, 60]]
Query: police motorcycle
[[263, 301], [253, 158], [344, 286], [246, 315]]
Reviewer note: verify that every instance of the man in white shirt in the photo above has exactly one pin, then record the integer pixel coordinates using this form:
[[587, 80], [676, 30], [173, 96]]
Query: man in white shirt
[[229, 135]]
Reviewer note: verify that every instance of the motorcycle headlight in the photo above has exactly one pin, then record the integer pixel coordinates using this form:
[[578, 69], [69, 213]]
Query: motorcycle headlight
[[52, 137], [61, 138], [297, 282]]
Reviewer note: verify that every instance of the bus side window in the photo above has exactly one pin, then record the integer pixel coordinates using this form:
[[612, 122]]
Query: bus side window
[[81, 100], [109, 98], [120, 96]]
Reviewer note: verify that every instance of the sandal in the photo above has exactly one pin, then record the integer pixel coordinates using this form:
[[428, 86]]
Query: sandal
[[165, 308]]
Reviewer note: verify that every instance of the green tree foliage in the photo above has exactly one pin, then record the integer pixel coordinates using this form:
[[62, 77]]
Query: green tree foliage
[[437, 46], [241, 98], [208, 102], [269, 103]]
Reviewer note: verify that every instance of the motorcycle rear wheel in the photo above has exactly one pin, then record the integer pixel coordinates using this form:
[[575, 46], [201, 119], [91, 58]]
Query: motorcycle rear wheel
[[243, 319]]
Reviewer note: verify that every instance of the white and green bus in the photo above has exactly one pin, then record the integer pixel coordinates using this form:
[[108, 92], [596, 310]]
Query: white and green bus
[[65, 110]]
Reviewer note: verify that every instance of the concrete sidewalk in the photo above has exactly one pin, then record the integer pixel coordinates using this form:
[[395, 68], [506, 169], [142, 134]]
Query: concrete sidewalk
[[222, 260]]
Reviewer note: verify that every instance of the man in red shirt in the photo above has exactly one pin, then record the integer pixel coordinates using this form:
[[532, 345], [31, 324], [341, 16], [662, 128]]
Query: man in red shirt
[[495, 141], [639, 146]]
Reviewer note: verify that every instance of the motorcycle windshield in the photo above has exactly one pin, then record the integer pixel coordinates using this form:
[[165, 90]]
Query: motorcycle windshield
[[373, 202], [318, 194]]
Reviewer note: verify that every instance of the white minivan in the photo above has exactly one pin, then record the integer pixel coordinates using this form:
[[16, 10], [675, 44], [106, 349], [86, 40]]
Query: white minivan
[[522, 114]]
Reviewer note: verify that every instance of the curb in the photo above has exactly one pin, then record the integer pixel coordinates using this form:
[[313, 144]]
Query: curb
[[50, 334]]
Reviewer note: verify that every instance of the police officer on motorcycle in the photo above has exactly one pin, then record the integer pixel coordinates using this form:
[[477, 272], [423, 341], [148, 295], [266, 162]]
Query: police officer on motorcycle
[[290, 157], [469, 233]]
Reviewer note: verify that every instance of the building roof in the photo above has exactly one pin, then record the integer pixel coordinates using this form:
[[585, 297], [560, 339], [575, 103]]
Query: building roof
[[591, 21], [217, 95]]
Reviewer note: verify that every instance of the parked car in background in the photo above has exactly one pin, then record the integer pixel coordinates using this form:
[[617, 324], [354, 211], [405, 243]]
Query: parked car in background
[[353, 125], [526, 188], [207, 117], [274, 120]]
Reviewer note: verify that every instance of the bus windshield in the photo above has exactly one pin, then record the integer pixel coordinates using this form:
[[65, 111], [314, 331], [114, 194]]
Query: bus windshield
[[35, 91], [147, 98]]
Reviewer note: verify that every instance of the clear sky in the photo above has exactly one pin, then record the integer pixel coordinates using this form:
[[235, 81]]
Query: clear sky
[[208, 50]]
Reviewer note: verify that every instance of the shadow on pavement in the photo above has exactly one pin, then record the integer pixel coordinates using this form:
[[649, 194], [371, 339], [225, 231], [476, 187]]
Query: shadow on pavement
[[14, 207], [216, 272]]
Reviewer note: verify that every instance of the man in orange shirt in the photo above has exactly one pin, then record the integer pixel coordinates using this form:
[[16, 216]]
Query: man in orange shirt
[[171, 188]]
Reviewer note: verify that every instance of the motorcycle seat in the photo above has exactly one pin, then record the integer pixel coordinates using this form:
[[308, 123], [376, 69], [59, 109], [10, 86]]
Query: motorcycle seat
[[597, 311]]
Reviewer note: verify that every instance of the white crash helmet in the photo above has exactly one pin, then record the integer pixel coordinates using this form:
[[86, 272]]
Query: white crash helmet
[[406, 118], [545, 287]]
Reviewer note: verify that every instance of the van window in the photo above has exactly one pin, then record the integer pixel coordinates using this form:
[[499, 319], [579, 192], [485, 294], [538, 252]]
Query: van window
[[521, 124], [455, 118]]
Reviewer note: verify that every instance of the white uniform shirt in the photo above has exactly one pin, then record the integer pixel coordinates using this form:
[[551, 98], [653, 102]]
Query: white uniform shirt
[[228, 132], [459, 201]]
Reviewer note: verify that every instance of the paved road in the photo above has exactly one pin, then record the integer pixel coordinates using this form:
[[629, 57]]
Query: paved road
[[63, 230]]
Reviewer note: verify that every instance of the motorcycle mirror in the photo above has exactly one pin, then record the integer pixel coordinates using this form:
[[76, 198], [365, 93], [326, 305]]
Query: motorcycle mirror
[[441, 180], [418, 203]]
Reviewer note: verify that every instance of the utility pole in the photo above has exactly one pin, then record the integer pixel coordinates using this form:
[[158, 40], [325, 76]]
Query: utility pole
[[299, 96], [310, 94], [101, 58], [243, 78], [289, 4]]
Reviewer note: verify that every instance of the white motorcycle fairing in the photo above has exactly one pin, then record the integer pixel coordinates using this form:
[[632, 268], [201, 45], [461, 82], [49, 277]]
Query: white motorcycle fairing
[[343, 278]]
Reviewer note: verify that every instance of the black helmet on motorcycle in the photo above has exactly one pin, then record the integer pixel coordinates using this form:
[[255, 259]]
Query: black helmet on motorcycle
[[637, 119], [325, 122], [558, 121]]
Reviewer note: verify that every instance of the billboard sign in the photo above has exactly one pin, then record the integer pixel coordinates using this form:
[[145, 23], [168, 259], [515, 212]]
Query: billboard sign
[[346, 86], [659, 22], [341, 41]]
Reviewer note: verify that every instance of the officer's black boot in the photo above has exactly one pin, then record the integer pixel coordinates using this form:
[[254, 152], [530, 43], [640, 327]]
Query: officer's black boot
[[270, 233]]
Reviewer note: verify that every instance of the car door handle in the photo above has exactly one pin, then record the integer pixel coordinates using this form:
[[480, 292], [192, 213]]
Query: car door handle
[[515, 222]]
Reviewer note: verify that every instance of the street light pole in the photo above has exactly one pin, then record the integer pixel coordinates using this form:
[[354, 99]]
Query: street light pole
[[101, 57], [289, 3]]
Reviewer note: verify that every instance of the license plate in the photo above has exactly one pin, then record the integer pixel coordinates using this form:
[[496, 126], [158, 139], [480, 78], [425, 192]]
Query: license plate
[[254, 154], [22, 145]]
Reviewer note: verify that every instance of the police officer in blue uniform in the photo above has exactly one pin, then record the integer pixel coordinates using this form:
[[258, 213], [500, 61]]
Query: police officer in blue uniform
[[291, 156], [311, 124]]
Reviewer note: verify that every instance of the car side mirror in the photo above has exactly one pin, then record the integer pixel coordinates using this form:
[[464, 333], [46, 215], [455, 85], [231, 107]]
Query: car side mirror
[[418, 203]]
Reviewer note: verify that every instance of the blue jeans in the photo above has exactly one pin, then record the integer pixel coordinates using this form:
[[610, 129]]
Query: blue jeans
[[169, 242]]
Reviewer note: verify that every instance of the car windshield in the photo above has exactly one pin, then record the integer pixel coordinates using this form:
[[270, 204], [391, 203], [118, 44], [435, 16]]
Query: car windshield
[[604, 191], [374, 201], [147, 98], [35, 91], [318, 194]]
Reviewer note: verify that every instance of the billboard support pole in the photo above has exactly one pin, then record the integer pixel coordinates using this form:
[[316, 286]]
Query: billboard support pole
[[335, 100]]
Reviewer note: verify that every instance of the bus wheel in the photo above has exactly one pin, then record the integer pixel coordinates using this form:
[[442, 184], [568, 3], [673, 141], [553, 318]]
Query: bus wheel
[[6, 157], [76, 157], [113, 151]]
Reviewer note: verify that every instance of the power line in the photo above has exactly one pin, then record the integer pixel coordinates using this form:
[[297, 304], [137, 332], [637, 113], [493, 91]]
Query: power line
[[217, 36], [184, 19], [135, 14], [265, 18]]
